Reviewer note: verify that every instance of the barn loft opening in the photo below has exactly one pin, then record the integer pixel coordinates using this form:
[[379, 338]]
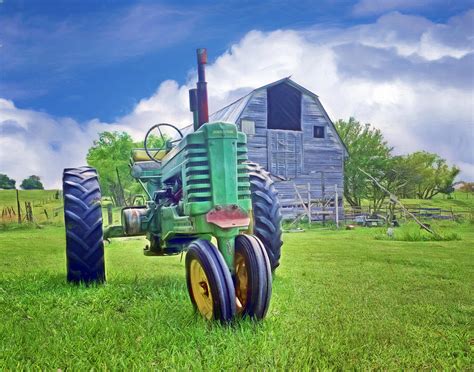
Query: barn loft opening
[[284, 107]]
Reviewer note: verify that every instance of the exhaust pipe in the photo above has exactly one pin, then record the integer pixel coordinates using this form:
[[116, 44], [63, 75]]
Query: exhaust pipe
[[203, 110]]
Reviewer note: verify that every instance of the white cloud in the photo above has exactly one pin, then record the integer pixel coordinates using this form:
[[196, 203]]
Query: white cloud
[[368, 7], [395, 84]]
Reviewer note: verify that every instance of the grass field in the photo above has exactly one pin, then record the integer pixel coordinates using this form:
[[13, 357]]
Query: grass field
[[459, 201], [40, 200], [341, 299]]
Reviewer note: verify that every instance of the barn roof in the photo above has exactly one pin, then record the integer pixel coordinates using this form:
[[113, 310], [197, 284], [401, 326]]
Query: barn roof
[[232, 111]]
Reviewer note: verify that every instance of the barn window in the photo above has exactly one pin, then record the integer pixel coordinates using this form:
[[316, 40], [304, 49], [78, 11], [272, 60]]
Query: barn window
[[318, 131], [284, 107], [247, 126]]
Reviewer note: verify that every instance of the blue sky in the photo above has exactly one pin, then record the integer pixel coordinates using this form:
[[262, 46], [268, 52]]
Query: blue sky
[[71, 69], [89, 58]]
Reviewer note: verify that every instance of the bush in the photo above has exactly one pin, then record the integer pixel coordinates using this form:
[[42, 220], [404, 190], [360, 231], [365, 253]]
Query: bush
[[32, 183]]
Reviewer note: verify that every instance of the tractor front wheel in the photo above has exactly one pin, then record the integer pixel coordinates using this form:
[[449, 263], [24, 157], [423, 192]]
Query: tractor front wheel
[[83, 221], [209, 282], [253, 277]]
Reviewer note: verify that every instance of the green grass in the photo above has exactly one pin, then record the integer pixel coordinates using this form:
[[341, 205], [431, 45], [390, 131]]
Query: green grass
[[412, 232], [40, 200], [341, 300], [8, 197], [460, 201]]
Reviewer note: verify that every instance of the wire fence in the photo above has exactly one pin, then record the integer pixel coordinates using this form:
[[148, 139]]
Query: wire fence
[[44, 210]]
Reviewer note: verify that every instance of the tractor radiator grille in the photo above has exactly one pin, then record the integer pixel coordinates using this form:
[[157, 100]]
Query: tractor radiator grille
[[198, 185], [242, 172]]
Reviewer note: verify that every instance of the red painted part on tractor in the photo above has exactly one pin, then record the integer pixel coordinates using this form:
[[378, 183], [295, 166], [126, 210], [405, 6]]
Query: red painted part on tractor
[[203, 109], [227, 217]]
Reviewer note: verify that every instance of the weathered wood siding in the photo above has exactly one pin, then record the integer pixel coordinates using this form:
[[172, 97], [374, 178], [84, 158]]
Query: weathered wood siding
[[296, 156]]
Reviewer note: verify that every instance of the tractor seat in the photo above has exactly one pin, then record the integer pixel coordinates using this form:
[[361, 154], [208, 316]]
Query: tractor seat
[[140, 155], [145, 169]]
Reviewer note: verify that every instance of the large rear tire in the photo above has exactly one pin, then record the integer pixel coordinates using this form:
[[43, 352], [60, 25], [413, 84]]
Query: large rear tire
[[209, 282], [83, 220], [266, 212]]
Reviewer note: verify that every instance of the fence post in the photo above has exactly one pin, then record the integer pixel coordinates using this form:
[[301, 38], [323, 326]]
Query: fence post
[[18, 206], [109, 214], [309, 204], [336, 204], [323, 196]]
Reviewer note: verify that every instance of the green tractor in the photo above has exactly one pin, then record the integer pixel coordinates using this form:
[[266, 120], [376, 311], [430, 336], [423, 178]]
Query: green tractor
[[202, 192]]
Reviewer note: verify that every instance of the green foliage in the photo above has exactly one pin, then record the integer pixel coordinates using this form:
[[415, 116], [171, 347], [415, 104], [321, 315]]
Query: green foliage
[[430, 175], [110, 155], [421, 174], [341, 301], [6, 182], [368, 151], [32, 183]]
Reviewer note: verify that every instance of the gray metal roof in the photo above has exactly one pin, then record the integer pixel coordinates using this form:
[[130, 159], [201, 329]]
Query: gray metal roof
[[231, 112]]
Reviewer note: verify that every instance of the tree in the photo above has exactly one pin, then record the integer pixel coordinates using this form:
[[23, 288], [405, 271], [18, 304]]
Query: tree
[[6, 182], [32, 183], [369, 151], [432, 174], [110, 155]]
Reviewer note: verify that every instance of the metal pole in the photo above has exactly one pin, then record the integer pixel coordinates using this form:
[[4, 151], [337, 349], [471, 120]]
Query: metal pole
[[203, 109], [337, 206]]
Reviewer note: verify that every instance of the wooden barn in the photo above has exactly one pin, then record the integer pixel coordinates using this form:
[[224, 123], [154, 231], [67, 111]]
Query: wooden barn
[[290, 134]]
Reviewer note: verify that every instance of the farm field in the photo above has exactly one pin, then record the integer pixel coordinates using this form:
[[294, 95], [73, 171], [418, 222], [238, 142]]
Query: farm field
[[41, 201], [341, 299]]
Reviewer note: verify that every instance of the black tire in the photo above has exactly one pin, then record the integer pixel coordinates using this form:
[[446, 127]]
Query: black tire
[[218, 282], [253, 267], [83, 221], [266, 212]]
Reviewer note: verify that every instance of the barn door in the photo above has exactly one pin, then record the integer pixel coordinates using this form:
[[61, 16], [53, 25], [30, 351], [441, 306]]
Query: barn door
[[285, 153]]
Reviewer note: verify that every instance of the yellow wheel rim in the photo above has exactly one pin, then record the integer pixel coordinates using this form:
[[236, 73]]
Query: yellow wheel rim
[[201, 289], [242, 282]]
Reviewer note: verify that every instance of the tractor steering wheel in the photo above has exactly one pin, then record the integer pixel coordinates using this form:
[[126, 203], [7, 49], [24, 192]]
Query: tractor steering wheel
[[164, 141]]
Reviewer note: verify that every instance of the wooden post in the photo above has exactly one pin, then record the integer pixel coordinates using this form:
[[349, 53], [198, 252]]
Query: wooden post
[[109, 214], [323, 196], [309, 204], [336, 204], [18, 206]]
